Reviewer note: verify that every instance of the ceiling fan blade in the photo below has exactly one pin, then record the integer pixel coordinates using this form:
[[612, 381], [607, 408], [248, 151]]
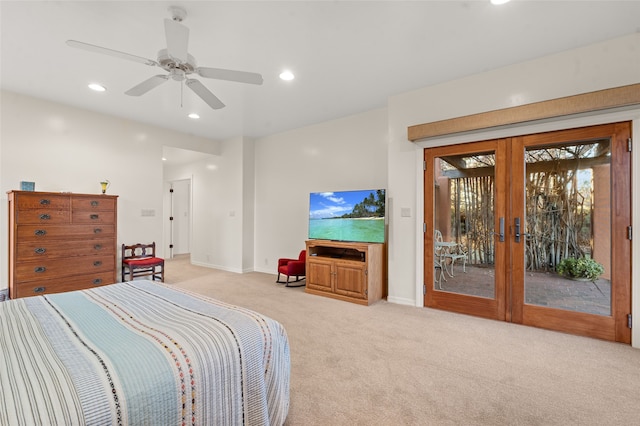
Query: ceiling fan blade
[[177, 40], [230, 75], [204, 93], [147, 85], [111, 52]]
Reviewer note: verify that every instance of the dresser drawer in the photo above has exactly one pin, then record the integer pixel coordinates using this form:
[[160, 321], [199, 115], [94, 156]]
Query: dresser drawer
[[35, 250], [43, 216], [52, 232], [98, 202], [36, 270], [60, 285], [87, 216], [42, 200]]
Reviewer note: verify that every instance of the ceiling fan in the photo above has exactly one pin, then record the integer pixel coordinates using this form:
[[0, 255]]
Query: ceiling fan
[[177, 62]]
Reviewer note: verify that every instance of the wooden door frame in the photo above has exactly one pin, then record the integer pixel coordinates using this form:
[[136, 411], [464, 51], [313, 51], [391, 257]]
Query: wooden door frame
[[482, 307], [609, 328]]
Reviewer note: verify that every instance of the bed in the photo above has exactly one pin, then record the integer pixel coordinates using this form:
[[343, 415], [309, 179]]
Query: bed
[[140, 353]]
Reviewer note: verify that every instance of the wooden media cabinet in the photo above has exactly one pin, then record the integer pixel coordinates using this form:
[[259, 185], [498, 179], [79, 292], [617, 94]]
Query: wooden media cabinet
[[353, 272]]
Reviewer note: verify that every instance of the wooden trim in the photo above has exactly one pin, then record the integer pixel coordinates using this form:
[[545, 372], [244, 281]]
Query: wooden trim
[[600, 100]]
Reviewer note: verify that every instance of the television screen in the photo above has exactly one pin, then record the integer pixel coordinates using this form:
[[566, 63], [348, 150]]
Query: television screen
[[348, 216]]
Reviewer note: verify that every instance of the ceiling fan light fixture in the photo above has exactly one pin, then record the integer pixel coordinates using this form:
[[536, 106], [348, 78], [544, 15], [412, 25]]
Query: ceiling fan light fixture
[[497, 2], [287, 75], [194, 116], [97, 87]]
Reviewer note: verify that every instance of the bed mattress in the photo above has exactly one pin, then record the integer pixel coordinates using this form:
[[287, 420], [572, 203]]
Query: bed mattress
[[140, 353]]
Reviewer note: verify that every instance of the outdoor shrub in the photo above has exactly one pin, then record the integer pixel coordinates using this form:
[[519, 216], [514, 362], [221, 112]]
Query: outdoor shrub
[[580, 268]]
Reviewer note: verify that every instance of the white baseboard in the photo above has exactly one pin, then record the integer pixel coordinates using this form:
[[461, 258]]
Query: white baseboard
[[220, 267], [401, 301]]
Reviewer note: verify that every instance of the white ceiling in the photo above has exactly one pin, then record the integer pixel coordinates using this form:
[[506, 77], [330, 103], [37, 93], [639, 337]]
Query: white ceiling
[[348, 56]]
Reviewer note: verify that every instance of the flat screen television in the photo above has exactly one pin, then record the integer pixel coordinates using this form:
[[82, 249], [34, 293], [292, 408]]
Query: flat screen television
[[356, 216]]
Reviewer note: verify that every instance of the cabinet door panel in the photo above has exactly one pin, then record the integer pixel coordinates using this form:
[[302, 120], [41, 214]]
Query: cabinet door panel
[[350, 280], [319, 275]]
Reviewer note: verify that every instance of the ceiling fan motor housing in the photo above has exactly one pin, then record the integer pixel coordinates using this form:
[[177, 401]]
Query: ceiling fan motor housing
[[168, 63], [177, 13]]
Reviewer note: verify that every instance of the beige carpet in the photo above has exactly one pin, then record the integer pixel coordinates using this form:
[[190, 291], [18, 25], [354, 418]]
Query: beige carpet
[[388, 364]]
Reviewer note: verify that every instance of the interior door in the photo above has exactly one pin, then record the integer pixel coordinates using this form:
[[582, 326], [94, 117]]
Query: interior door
[[501, 216], [181, 216]]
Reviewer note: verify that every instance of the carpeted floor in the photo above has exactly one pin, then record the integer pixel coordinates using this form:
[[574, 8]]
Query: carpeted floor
[[389, 364]]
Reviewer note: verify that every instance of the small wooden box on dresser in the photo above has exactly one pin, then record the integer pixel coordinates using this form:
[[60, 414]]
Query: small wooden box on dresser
[[353, 272], [60, 242]]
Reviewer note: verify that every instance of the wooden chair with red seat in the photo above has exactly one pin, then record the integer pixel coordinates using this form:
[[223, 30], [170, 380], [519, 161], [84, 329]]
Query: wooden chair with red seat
[[139, 260], [292, 268]]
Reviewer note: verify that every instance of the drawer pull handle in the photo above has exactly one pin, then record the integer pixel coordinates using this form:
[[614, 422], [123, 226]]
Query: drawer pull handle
[[97, 281], [98, 247], [39, 269], [40, 250], [95, 203], [93, 216], [45, 216], [97, 230], [39, 289], [40, 232], [45, 202], [97, 263]]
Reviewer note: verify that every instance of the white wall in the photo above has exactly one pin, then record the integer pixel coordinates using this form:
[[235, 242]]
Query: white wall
[[62, 148], [345, 154], [248, 205]]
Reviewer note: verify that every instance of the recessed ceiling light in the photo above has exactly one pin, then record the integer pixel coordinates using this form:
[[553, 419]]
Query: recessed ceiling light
[[287, 75], [499, 1], [97, 87], [194, 116], [164, 159]]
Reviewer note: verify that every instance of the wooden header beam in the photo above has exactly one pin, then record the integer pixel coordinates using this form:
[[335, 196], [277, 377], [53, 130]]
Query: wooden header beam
[[600, 100]]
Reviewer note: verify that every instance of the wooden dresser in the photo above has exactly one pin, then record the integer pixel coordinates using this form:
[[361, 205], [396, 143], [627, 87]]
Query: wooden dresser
[[60, 242]]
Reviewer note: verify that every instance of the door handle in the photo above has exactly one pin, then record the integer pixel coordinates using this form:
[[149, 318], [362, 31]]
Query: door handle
[[517, 226], [501, 233]]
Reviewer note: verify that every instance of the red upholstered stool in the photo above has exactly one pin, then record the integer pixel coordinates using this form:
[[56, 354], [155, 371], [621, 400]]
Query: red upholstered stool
[[140, 260]]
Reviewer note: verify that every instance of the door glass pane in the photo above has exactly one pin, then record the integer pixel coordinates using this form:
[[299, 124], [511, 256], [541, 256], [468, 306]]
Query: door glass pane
[[464, 250], [568, 227]]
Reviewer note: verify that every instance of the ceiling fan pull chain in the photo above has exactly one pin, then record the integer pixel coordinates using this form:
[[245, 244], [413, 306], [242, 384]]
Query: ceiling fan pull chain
[[181, 92]]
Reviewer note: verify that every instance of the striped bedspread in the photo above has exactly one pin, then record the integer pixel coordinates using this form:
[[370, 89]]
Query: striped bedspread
[[140, 353]]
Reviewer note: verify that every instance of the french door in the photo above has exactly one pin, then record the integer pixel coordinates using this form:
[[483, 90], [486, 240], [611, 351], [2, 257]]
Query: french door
[[505, 218]]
